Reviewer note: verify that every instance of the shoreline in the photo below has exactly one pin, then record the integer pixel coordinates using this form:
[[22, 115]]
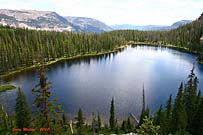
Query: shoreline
[[132, 43], [181, 49], [60, 59]]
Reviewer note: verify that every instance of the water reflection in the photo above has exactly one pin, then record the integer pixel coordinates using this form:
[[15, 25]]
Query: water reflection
[[91, 82]]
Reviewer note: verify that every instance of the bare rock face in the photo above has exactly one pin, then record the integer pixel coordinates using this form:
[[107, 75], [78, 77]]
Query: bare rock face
[[47, 20], [88, 24], [32, 19]]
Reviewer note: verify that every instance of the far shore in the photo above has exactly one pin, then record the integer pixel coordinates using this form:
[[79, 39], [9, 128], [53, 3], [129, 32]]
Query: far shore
[[60, 59], [183, 49]]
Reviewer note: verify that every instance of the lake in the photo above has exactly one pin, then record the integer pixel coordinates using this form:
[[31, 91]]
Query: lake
[[91, 82]]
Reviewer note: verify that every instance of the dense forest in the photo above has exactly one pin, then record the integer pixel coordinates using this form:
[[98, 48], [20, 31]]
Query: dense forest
[[22, 47]]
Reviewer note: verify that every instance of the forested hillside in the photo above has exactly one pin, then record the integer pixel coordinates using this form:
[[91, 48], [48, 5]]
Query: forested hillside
[[187, 36], [22, 47]]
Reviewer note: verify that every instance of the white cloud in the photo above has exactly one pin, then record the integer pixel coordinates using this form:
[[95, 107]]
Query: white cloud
[[139, 12]]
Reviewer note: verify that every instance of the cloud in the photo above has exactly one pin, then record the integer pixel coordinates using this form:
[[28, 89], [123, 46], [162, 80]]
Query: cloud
[[139, 12]]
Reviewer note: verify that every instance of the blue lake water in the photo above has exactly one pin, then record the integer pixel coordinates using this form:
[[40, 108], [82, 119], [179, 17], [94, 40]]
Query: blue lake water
[[91, 82]]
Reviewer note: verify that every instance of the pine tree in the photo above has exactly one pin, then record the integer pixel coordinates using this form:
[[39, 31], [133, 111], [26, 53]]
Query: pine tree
[[161, 120], [64, 118], [124, 126], [129, 125], [99, 121], [112, 116], [179, 115], [23, 114], [3, 119], [80, 122], [47, 114], [147, 128], [65, 123], [191, 98], [145, 111], [168, 115], [94, 125], [157, 118], [198, 120], [41, 91], [169, 107]]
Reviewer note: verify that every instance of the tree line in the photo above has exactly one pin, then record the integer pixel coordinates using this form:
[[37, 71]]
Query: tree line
[[21, 47], [187, 36]]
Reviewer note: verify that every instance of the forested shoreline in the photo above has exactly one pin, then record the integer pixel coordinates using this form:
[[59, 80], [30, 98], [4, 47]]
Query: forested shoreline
[[22, 48]]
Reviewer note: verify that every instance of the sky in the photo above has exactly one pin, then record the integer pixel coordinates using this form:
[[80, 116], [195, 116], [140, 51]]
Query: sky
[[135, 12]]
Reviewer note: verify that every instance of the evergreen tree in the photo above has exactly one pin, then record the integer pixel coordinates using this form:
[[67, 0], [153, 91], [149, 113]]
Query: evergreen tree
[[198, 120], [147, 128], [112, 116], [169, 107], [23, 114], [65, 123], [117, 129], [145, 111], [129, 125], [179, 115], [191, 98], [157, 118], [41, 91], [168, 115], [80, 122], [160, 119], [124, 126], [94, 125], [3, 119], [47, 114], [64, 118], [99, 121]]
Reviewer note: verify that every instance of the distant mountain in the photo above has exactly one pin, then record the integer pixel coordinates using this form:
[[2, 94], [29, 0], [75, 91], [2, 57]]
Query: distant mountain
[[88, 24], [32, 19], [47, 20], [137, 27], [150, 27], [180, 23]]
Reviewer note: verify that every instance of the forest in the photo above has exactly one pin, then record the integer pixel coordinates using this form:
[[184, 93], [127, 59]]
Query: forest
[[21, 48]]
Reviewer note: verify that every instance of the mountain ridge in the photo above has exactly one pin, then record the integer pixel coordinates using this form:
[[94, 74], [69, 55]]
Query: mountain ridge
[[52, 21], [49, 20], [88, 24], [151, 27]]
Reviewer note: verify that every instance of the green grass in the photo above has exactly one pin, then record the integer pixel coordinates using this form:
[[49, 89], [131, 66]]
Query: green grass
[[7, 87]]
